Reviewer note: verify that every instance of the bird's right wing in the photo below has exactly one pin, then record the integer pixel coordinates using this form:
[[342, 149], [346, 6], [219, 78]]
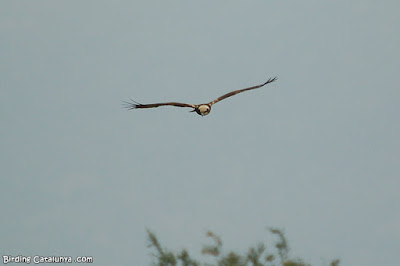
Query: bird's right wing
[[229, 94]]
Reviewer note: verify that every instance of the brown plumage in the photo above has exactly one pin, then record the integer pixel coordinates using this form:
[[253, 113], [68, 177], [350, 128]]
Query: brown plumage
[[201, 109]]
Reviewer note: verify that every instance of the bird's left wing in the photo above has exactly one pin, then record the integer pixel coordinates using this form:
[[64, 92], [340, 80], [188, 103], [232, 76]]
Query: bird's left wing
[[229, 94], [135, 105]]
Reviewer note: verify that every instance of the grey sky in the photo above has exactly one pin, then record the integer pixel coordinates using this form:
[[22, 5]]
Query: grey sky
[[315, 153]]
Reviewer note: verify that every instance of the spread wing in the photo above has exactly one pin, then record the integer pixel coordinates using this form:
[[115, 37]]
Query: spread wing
[[242, 90], [135, 105]]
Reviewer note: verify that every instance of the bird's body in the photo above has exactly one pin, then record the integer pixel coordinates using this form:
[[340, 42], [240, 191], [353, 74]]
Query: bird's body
[[201, 109]]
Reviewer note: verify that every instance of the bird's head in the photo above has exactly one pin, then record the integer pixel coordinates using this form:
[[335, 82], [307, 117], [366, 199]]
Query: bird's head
[[202, 109]]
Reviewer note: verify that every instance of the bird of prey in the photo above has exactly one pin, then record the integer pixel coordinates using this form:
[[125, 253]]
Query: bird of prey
[[201, 109]]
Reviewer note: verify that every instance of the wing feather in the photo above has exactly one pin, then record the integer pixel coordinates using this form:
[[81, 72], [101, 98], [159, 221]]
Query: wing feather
[[229, 94], [135, 105]]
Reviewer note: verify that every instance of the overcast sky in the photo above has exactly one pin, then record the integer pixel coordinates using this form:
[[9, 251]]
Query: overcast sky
[[315, 153]]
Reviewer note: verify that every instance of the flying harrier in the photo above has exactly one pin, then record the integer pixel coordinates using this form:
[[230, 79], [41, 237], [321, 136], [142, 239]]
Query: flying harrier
[[201, 109]]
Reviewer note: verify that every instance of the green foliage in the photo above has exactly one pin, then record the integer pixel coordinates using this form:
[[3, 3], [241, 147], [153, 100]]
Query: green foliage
[[164, 257], [186, 260], [213, 250], [255, 256], [281, 245], [335, 262]]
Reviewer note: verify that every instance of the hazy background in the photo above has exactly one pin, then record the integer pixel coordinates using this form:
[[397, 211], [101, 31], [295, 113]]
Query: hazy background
[[315, 153]]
